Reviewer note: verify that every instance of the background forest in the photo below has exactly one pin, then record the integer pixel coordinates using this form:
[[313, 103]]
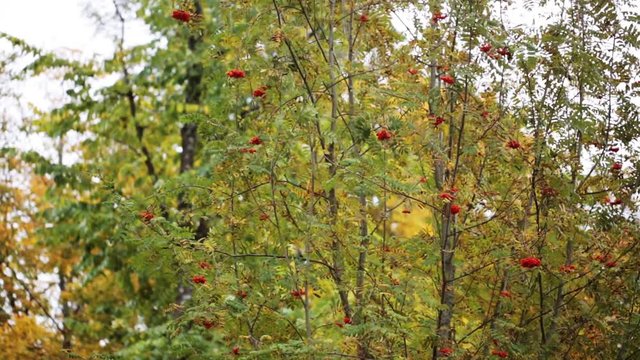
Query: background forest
[[303, 179]]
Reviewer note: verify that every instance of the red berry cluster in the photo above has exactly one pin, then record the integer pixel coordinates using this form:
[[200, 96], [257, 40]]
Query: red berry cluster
[[346, 321], [438, 120], [447, 196], [208, 324], [616, 167], [615, 202], [500, 353], [499, 53], [606, 260], [445, 351], [199, 279], [384, 134], [548, 191], [447, 79], [298, 293], [530, 262], [255, 140], [437, 16], [513, 144], [146, 216], [181, 15], [567, 269], [260, 92], [485, 48], [235, 74]]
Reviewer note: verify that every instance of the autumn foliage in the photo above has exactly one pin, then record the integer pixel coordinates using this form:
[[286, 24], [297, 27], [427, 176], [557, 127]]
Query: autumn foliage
[[368, 180]]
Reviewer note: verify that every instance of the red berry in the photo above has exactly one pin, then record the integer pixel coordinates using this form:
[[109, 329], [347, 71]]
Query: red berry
[[614, 149], [617, 201], [204, 265], [384, 134], [347, 320], [235, 74], [513, 144], [208, 324], [530, 262], [437, 16], [500, 353], [455, 209], [248, 150], [199, 279], [298, 293], [412, 71], [447, 196], [616, 166], [255, 140], [260, 92], [242, 294], [446, 351], [567, 269], [363, 18], [504, 51], [448, 79], [439, 120], [235, 350], [181, 15], [146, 216], [264, 217], [505, 293], [602, 258], [485, 48], [549, 191]]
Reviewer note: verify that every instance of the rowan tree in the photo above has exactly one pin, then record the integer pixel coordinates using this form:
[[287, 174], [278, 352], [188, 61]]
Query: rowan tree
[[370, 179]]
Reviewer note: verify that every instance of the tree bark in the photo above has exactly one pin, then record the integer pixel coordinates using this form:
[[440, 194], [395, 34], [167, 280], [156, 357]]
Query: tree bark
[[336, 246], [189, 137]]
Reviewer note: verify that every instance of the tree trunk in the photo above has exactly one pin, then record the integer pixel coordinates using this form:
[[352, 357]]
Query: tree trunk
[[336, 246], [189, 133]]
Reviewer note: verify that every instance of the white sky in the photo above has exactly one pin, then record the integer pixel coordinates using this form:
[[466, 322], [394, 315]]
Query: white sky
[[63, 25], [52, 25]]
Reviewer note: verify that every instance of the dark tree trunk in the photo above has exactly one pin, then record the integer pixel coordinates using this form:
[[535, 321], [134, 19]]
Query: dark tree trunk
[[189, 134]]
